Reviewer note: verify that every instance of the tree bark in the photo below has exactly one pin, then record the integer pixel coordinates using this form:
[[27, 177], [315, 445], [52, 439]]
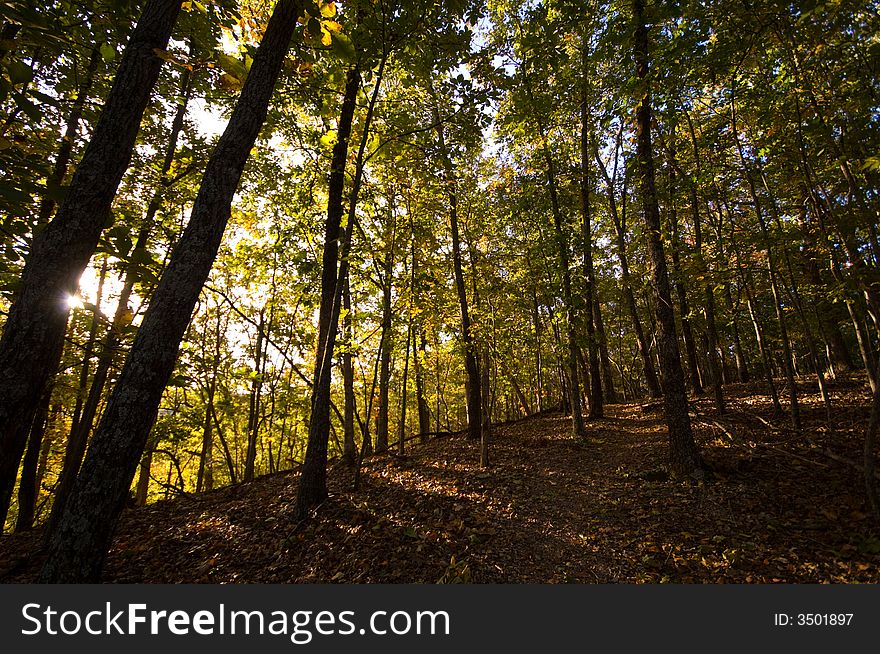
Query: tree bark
[[313, 477], [684, 458], [28, 487], [597, 409], [34, 331], [474, 402], [78, 546], [619, 220]]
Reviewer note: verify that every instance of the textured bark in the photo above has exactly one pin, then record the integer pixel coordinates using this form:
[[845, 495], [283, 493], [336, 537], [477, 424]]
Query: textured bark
[[71, 133], [684, 458], [82, 422], [474, 403], [619, 219], [349, 446], [596, 400], [28, 487], [34, 332], [78, 546], [563, 255], [313, 477]]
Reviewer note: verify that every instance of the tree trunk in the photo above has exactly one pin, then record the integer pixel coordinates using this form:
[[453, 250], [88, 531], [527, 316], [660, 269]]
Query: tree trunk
[[71, 133], [619, 220], [386, 339], [684, 458], [28, 487], [313, 477], [78, 546], [34, 331], [254, 404], [590, 295], [604, 358], [349, 446], [474, 403], [787, 360], [564, 264], [424, 411]]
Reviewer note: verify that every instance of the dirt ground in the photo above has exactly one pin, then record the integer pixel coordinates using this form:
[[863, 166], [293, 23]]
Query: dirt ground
[[778, 507]]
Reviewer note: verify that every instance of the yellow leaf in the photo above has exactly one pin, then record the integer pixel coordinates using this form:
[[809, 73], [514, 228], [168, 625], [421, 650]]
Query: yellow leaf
[[331, 26], [326, 39], [328, 9]]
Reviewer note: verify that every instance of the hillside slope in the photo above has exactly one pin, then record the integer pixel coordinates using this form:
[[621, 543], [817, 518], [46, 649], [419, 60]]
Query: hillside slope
[[550, 509]]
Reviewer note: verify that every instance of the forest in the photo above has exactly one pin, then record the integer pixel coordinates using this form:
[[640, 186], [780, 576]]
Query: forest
[[442, 292]]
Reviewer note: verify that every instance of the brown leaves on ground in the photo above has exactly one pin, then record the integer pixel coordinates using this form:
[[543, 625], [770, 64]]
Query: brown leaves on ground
[[550, 509]]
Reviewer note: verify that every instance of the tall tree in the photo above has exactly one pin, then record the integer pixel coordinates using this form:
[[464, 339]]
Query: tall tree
[[34, 331], [684, 457], [79, 545]]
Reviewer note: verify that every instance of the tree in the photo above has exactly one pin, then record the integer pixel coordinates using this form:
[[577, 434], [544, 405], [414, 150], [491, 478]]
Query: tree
[[684, 458], [78, 546]]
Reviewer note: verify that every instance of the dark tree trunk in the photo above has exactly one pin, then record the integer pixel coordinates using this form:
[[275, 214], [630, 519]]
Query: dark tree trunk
[[313, 478], [254, 405], [28, 487], [678, 280], [78, 546], [424, 411], [349, 445], [604, 358], [34, 332], [474, 402], [71, 133], [563, 255], [619, 220], [79, 431], [82, 423], [386, 339], [684, 458], [596, 404]]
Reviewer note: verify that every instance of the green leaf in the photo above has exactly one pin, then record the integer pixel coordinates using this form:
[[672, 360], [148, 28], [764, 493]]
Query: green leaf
[[342, 47], [31, 110], [108, 52], [20, 72]]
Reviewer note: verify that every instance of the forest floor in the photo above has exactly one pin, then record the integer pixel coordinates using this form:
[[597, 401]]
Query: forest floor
[[779, 507]]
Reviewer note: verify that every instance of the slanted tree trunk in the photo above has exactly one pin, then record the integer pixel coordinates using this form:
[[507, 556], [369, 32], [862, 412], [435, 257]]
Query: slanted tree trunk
[[71, 133], [684, 458], [349, 446], [313, 477], [29, 485], [78, 546], [82, 423], [34, 331], [619, 220]]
